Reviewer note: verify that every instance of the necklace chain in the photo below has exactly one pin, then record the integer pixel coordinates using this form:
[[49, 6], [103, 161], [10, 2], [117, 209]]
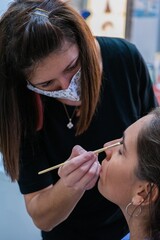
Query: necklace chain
[[70, 123]]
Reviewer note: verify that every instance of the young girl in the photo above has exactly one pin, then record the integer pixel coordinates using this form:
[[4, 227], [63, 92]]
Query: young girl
[[130, 177]]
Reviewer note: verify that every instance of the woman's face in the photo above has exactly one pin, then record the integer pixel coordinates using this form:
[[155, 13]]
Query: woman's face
[[118, 181], [56, 71]]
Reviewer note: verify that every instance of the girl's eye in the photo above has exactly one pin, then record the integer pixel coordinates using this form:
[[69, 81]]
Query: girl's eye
[[120, 152]]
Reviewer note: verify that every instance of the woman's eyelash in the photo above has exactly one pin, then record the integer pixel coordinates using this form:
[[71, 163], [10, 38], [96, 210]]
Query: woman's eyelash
[[46, 84], [74, 66], [121, 142], [120, 152]]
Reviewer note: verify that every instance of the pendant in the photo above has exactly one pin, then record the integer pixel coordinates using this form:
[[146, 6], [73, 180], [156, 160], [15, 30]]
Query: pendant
[[70, 124]]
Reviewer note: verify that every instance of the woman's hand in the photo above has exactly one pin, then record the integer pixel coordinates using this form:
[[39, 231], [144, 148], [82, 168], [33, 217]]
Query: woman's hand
[[81, 170]]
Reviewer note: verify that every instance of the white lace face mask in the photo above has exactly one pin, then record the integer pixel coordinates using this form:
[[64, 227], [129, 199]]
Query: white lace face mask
[[73, 92]]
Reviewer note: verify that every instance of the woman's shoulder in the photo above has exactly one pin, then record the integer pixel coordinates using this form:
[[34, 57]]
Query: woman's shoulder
[[113, 44], [119, 49]]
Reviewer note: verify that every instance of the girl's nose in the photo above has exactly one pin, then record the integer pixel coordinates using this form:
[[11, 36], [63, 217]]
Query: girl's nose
[[108, 154]]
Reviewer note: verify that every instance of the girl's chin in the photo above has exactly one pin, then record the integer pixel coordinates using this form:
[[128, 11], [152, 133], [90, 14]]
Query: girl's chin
[[99, 185], [100, 188]]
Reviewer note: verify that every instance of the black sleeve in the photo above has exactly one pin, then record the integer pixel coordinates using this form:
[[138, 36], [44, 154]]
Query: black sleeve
[[138, 77], [128, 73], [32, 160]]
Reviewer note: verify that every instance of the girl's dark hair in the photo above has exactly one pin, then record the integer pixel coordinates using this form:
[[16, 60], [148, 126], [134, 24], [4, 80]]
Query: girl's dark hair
[[25, 39], [148, 149]]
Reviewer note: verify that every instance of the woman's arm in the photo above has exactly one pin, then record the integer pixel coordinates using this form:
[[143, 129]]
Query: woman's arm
[[52, 205]]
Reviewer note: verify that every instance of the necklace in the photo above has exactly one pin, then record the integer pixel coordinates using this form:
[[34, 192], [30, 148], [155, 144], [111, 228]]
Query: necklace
[[69, 124]]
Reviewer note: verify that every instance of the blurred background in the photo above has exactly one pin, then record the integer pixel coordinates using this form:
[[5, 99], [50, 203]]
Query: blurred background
[[136, 20]]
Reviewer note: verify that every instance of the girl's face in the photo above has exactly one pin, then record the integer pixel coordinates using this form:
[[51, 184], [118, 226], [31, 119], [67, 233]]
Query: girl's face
[[56, 71], [118, 181]]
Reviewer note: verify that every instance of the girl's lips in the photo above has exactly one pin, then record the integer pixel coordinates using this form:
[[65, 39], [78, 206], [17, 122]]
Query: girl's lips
[[102, 166]]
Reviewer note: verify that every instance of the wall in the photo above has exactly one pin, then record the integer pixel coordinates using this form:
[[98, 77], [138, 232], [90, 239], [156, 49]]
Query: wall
[[145, 29], [15, 223]]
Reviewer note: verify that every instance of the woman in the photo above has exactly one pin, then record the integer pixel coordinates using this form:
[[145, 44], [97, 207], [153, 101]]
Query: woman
[[130, 177], [60, 87]]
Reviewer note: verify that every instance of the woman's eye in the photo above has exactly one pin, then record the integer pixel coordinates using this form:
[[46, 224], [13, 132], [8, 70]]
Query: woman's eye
[[46, 84], [73, 66]]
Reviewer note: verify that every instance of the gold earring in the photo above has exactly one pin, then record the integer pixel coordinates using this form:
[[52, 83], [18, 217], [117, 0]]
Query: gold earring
[[136, 211]]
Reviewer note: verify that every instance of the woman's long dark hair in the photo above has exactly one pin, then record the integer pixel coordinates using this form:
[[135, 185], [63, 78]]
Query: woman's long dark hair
[[25, 39], [148, 148]]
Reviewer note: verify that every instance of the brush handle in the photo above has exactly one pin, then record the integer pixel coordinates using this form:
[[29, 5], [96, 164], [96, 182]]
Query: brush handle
[[96, 151], [107, 147]]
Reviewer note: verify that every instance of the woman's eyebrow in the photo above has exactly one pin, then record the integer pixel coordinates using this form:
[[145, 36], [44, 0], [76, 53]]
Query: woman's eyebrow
[[75, 60]]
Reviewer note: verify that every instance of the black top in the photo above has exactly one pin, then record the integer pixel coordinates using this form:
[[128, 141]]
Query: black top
[[126, 95]]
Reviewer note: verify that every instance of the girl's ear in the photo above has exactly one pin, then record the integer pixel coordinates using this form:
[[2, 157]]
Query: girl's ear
[[137, 200], [146, 194]]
